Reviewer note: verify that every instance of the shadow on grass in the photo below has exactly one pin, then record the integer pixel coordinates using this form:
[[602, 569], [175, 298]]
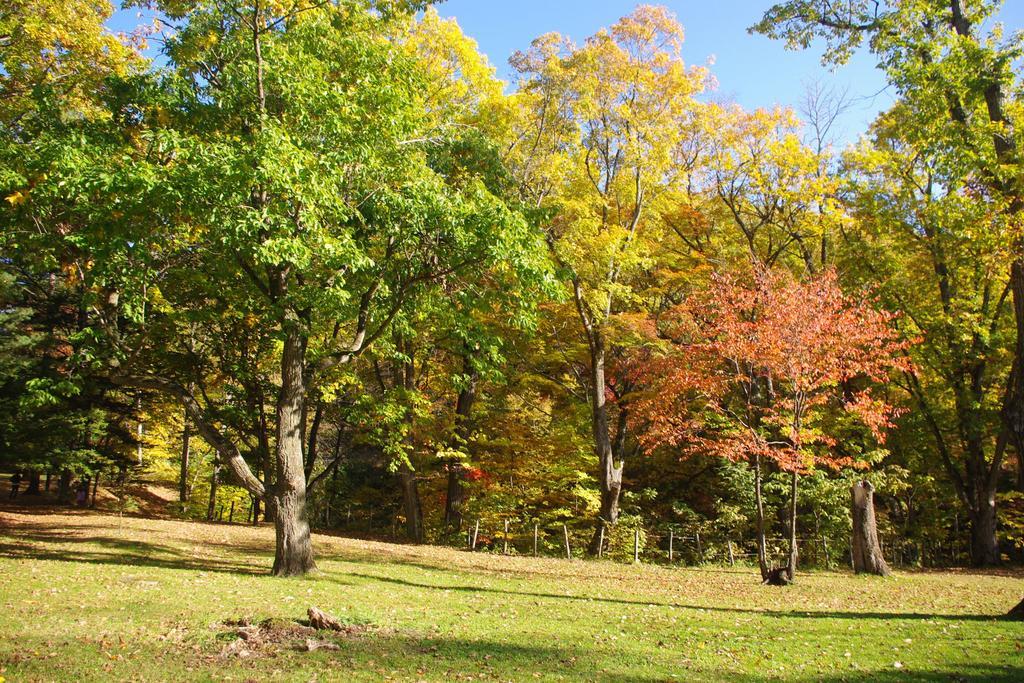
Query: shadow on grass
[[44, 542], [410, 656], [790, 614]]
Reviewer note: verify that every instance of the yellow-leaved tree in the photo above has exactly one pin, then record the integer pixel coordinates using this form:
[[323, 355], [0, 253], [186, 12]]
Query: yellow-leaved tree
[[599, 139]]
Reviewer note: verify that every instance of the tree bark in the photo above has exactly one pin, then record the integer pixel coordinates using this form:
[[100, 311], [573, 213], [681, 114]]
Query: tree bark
[[762, 551], [793, 550], [211, 506], [33, 483], [186, 439], [609, 476], [867, 553], [411, 504], [984, 544], [456, 494], [64, 487], [294, 553]]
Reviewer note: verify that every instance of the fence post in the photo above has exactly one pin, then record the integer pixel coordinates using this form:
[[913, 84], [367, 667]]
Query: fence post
[[476, 534], [636, 545], [568, 550], [670, 539], [220, 514], [505, 548], [700, 552], [600, 541], [535, 539], [231, 517], [732, 558]]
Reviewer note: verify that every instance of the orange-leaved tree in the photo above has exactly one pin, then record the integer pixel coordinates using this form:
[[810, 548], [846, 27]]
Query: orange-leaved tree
[[760, 370]]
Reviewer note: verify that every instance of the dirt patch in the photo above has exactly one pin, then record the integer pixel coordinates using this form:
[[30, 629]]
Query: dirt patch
[[248, 640]]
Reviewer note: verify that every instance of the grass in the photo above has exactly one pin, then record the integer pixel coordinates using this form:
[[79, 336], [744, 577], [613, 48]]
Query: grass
[[88, 596]]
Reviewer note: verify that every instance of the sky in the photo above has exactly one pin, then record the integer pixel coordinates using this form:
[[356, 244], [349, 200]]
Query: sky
[[751, 70]]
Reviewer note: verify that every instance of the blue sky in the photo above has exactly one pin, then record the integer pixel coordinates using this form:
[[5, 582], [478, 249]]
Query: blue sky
[[751, 70]]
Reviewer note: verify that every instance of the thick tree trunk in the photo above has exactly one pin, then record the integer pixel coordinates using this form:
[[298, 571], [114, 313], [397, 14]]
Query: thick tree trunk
[[294, 555], [762, 551], [64, 487], [456, 493], [211, 506], [984, 545], [33, 483], [609, 476], [793, 550], [867, 553], [186, 445], [411, 504]]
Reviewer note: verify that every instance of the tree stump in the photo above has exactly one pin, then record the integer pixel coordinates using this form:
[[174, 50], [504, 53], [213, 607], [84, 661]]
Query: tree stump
[[778, 577], [322, 621], [866, 551]]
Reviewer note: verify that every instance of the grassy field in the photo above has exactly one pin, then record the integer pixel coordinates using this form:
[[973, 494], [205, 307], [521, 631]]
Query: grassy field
[[89, 596]]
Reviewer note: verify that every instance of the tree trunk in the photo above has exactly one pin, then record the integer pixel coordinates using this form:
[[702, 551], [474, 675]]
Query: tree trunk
[[609, 476], [49, 475], [294, 554], [793, 551], [867, 553], [984, 545], [762, 551], [186, 438], [411, 504], [268, 463], [1012, 412], [456, 494], [314, 440], [64, 487], [1020, 470], [33, 483], [212, 505]]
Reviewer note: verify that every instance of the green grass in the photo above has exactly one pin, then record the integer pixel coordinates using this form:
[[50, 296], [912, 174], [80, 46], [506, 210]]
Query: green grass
[[96, 597]]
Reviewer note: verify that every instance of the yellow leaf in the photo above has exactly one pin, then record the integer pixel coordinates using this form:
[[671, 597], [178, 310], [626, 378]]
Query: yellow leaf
[[17, 198]]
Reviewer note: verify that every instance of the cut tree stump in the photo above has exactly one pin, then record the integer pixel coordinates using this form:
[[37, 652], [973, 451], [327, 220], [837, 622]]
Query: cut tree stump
[[322, 621], [778, 577], [867, 553]]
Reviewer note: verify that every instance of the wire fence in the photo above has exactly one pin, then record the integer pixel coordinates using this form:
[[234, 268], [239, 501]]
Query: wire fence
[[677, 545]]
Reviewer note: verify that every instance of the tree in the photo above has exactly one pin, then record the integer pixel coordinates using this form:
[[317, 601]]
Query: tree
[[937, 247], [765, 371], [57, 49], [242, 190], [598, 145], [866, 552], [958, 85]]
